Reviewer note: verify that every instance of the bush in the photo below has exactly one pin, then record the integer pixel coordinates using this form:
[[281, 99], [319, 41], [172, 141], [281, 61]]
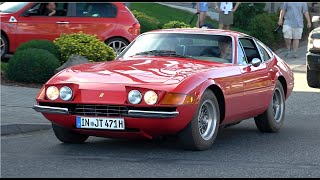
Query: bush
[[32, 66], [262, 26], [245, 13], [147, 23], [85, 45], [176, 24], [41, 44]]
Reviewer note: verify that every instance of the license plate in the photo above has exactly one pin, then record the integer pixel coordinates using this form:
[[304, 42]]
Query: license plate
[[100, 123]]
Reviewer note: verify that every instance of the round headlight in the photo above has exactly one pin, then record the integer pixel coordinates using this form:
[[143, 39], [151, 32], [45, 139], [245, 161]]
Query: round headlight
[[134, 97], [52, 93], [316, 43], [150, 97], [65, 93]]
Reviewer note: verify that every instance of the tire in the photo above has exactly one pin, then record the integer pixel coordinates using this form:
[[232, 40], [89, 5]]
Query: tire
[[4, 45], [270, 121], [313, 78], [117, 44], [67, 136], [191, 137]]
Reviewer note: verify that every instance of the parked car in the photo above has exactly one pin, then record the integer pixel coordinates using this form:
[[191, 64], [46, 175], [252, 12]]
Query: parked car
[[313, 56], [113, 23], [186, 82]]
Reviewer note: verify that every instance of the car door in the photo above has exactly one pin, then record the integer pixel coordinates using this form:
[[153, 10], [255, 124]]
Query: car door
[[92, 18], [257, 80], [33, 24]]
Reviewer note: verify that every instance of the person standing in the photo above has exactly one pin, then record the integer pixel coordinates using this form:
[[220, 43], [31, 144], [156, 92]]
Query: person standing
[[291, 18], [226, 11], [202, 8]]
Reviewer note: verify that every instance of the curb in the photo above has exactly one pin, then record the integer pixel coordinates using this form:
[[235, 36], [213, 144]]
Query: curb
[[8, 129]]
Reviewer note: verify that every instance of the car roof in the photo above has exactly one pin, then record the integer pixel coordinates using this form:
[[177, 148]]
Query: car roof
[[200, 31]]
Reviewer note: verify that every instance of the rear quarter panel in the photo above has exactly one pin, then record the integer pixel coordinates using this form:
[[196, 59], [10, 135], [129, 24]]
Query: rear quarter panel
[[125, 20]]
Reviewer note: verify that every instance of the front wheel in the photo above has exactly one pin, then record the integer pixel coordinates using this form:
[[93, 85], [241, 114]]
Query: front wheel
[[67, 136], [117, 44], [4, 46], [202, 130], [313, 78], [272, 119]]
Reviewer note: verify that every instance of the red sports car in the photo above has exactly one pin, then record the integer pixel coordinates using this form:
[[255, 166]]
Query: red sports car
[[185, 82], [112, 22]]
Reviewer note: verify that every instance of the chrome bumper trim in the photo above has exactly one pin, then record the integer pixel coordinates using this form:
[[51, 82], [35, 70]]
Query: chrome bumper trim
[[131, 113], [152, 114], [51, 110]]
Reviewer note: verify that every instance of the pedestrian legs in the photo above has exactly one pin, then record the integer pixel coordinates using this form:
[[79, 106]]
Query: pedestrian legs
[[295, 44], [201, 19], [288, 43]]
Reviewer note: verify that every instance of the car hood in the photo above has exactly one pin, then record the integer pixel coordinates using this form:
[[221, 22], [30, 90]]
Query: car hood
[[135, 71], [316, 30]]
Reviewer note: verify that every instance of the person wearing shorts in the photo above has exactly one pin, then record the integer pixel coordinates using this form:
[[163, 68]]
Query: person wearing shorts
[[226, 11], [291, 18], [202, 8]]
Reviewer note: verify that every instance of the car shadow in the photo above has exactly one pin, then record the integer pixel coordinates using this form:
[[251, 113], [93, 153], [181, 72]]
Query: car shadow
[[232, 136]]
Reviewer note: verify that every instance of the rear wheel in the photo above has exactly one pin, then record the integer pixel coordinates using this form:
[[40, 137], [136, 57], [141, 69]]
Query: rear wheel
[[67, 136], [272, 119], [117, 44], [4, 46], [202, 130], [313, 78]]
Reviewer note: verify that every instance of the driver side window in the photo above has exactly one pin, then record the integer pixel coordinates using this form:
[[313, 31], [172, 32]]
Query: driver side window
[[250, 49], [40, 9], [265, 55], [242, 59]]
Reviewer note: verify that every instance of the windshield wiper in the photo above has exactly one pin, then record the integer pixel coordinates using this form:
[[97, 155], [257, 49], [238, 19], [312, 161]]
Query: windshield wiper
[[162, 53], [156, 52]]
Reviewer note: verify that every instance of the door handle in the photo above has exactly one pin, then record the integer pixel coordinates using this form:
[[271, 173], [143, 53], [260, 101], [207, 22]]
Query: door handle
[[62, 22]]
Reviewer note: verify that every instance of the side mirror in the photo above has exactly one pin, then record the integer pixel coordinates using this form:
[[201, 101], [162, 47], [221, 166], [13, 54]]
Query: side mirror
[[315, 18], [256, 62]]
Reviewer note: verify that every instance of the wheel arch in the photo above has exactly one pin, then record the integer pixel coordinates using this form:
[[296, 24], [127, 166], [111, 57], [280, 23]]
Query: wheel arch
[[284, 84], [6, 36], [113, 37], [221, 100]]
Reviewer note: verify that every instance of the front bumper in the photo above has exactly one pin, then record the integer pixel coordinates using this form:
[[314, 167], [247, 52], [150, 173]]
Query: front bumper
[[131, 113], [143, 123], [313, 61], [51, 110]]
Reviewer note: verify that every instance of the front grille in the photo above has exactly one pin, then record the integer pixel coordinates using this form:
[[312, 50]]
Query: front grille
[[315, 51], [100, 110], [103, 109]]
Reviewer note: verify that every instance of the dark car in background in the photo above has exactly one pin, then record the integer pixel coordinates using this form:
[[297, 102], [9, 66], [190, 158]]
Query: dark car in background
[[112, 22], [313, 56]]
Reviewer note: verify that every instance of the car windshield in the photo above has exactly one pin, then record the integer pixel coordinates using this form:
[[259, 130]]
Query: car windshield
[[215, 48], [12, 7]]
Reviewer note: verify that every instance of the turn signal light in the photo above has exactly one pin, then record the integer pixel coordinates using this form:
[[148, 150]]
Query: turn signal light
[[177, 99], [135, 29]]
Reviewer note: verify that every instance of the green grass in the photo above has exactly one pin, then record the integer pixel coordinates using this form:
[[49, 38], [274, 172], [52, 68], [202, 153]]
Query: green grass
[[164, 14], [4, 66]]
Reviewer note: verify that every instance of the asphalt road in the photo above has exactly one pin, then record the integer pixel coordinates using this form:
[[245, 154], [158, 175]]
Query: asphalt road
[[239, 151]]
